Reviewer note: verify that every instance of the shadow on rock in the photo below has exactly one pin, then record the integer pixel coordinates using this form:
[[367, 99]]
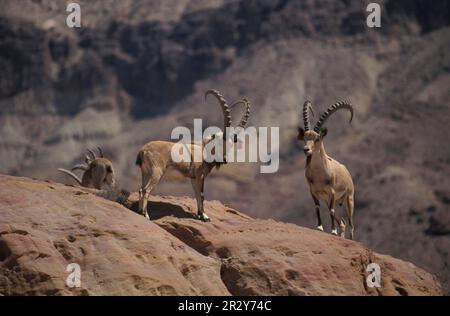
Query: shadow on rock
[[157, 210]]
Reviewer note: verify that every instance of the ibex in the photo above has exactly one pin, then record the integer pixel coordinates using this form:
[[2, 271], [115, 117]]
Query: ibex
[[328, 180], [155, 158], [98, 172]]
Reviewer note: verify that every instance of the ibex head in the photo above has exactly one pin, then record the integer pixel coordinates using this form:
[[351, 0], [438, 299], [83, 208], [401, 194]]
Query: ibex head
[[97, 171], [99, 166], [226, 110], [312, 138]]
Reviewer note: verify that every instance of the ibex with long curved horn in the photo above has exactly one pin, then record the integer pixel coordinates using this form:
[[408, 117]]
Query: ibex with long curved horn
[[155, 158], [328, 180], [98, 171]]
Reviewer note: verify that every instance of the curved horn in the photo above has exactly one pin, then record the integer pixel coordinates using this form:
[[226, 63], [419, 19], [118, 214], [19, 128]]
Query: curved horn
[[92, 153], [244, 119], [307, 106], [71, 174], [79, 167], [335, 107], [100, 152], [225, 108]]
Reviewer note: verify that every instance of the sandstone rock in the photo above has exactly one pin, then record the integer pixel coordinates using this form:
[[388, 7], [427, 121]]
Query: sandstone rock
[[265, 257], [45, 226]]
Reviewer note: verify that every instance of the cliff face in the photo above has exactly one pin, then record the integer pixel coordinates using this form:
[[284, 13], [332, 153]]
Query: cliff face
[[45, 226]]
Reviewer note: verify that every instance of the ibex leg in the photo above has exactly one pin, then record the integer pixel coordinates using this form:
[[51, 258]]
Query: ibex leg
[[332, 207], [350, 210], [148, 184], [198, 184], [317, 205]]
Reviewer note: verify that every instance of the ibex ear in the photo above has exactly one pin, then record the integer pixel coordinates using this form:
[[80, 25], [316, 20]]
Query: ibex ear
[[323, 132], [301, 134]]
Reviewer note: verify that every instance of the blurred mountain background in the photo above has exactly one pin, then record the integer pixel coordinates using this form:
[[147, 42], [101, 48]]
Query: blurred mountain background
[[136, 69]]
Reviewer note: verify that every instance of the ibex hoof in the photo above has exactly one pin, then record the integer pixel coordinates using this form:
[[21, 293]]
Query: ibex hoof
[[146, 216], [334, 232], [203, 217], [320, 227]]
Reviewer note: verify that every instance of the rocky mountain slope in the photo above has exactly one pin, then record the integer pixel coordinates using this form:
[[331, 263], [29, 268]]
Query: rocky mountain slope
[[136, 69], [46, 226]]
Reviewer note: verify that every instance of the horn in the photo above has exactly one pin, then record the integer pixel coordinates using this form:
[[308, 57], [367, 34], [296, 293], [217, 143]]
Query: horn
[[335, 107], [100, 152], [92, 153], [71, 174], [225, 108], [244, 119], [79, 167], [307, 106]]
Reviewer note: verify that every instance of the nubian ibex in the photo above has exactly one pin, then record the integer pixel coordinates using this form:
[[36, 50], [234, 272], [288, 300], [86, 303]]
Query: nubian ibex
[[155, 158], [328, 180], [98, 172]]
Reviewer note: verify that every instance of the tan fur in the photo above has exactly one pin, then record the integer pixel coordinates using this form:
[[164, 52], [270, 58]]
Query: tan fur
[[329, 181], [98, 173], [155, 159]]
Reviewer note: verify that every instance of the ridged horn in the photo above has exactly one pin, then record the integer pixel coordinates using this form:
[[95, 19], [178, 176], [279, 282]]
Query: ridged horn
[[71, 174], [100, 152], [335, 107], [307, 106], [225, 108], [79, 167], [244, 120], [92, 153]]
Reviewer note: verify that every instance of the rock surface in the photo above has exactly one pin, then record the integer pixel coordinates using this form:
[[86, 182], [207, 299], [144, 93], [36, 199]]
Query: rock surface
[[45, 226]]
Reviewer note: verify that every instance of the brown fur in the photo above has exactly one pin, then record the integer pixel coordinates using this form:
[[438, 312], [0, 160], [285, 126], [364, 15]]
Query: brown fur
[[155, 159], [329, 180], [98, 172]]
